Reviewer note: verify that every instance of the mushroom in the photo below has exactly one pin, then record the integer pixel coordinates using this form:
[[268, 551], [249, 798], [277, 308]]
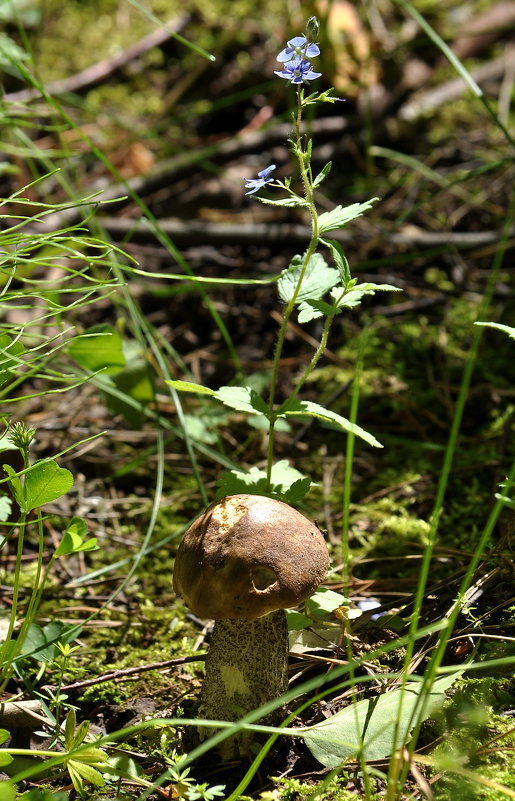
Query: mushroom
[[242, 562]]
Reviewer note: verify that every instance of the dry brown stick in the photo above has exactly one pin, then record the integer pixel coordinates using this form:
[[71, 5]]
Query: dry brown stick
[[123, 672], [201, 232], [103, 69], [437, 96]]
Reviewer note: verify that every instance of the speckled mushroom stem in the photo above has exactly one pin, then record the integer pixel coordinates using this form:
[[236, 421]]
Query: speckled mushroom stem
[[246, 666]]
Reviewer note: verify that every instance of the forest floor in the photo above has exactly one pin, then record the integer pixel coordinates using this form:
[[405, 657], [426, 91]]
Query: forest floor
[[163, 139]]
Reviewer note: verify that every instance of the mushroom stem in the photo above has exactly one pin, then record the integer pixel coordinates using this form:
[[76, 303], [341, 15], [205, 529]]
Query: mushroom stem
[[246, 666]]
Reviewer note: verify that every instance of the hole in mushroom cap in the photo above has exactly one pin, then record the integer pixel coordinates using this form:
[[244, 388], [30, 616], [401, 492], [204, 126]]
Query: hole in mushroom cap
[[263, 577]]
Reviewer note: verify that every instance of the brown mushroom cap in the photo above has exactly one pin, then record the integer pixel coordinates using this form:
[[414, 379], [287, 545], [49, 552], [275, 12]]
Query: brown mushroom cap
[[246, 556]]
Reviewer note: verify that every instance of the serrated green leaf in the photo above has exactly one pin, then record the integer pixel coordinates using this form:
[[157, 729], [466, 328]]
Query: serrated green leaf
[[507, 329], [287, 483], [100, 348], [44, 483], [341, 215], [188, 386], [302, 408], [369, 726], [285, 201], [340, 259], [318, 279], [353, 296], [243, 399], [324, 172], [313, 309]]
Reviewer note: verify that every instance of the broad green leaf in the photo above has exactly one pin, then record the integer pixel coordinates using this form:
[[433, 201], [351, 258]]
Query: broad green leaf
[[100, 348], [4, 736], [302, 408], [5, 759], [73, 543], [44, 483], [324, 172], [16, 486], [189, 386], [285, 201], [77, 526], [340, 216], [313, 309], [40, 641], [136, 380], [340, 259], [369, 726], [243, 399], [318, 279], [287, 483], [506, 328], [324, 601]]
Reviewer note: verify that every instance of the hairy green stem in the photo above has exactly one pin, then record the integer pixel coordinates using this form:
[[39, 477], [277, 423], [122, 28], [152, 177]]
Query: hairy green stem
[[305, 174]]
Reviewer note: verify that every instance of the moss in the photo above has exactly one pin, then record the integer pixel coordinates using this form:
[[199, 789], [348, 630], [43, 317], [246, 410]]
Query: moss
[[332, 788]]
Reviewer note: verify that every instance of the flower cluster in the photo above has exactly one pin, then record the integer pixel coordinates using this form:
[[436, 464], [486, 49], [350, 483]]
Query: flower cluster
[[297, 68]]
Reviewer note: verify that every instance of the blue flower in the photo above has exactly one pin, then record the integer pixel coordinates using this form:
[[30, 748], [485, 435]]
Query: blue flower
[[298, 71], [257, 183], [297, 49]]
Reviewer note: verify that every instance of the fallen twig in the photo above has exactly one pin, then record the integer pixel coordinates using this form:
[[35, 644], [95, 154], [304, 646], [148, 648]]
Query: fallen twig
[[124, 672]]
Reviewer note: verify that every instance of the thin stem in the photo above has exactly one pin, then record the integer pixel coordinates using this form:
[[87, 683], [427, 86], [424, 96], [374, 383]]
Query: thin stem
[[305, 175]]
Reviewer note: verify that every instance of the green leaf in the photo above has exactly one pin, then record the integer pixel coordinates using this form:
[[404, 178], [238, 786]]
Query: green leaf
[[86, 772], [16, 486], [243, 399], [40, 642], [506, 328], [73, 543], [100, 348], [285, 201], [44, 483], [5, 759], [302, 408], [287, 483], [340, 216], [324, 172], [7, 790], [189, 386], [69, 728], [353, 296], [4, 736], [340, 259], [318, 279], [324, 601], [313, 309], [369, 725]]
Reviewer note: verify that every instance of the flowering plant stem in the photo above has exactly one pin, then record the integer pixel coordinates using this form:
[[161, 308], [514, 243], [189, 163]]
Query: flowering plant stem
[[307, 182]]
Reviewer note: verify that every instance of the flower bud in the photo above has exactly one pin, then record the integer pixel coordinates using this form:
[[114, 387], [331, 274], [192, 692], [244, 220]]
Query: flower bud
[[312, 27]]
